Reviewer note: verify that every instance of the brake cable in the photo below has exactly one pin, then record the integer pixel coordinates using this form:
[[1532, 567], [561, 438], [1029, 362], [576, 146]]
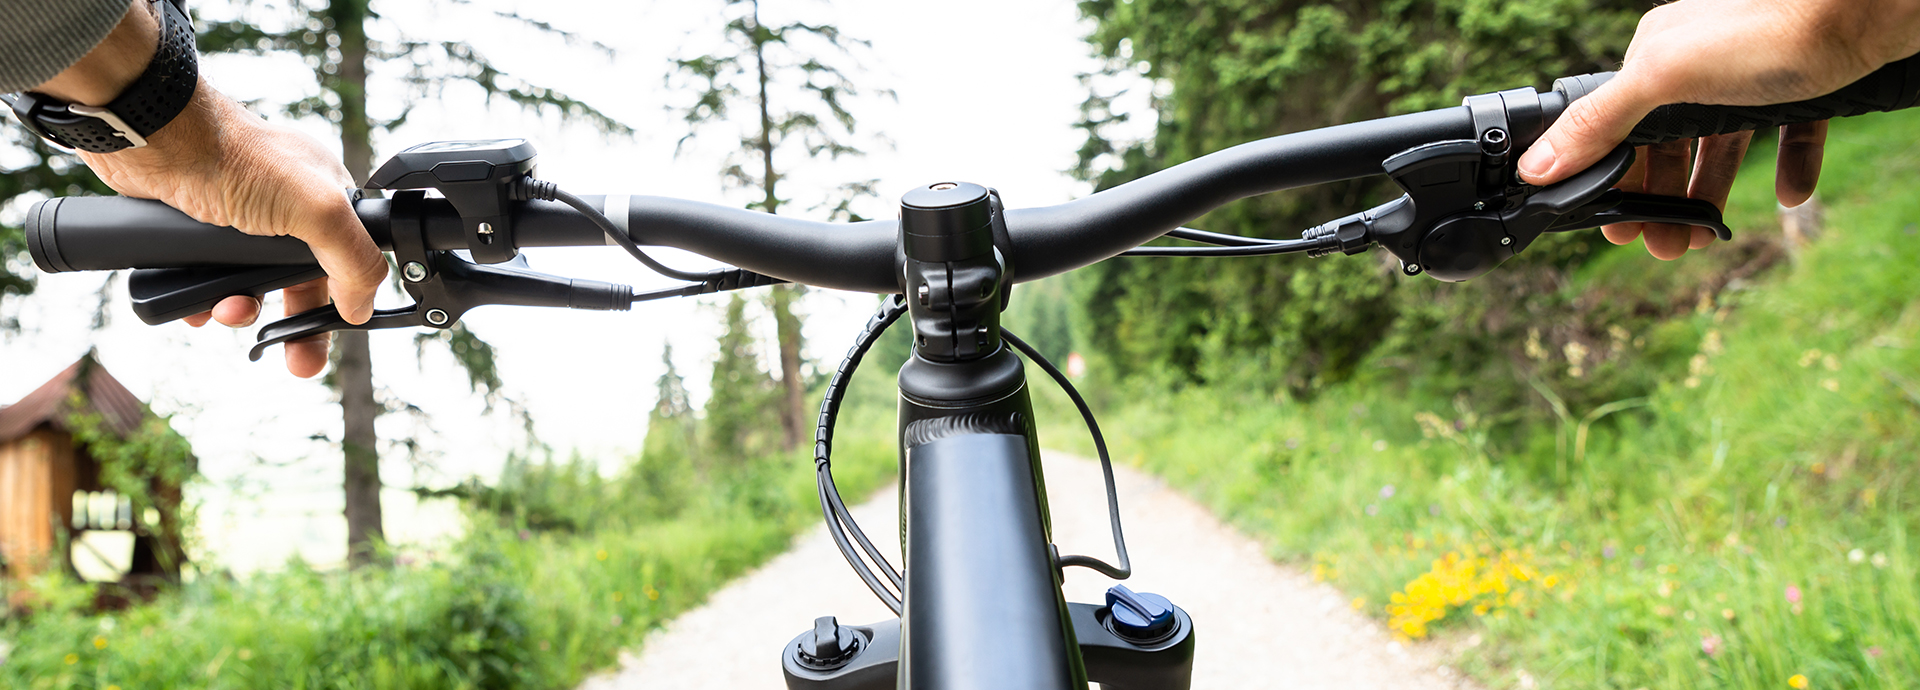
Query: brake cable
[[528, 188], [840, 522]]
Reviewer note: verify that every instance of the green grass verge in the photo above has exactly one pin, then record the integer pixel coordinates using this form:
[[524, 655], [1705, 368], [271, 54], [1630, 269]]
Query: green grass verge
[[1746, 524], [504, 606]]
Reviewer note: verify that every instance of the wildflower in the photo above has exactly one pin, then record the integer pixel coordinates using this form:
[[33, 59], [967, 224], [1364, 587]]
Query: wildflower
[[1434, 510], [72, 659], [1727, 614], [1856, 556], [600, 555], [1359, 603], [1879, 560], [1551, 581], [525, 535], [245, 654], [618, 596], [99, 643], [1830, 362], [1710, 644], [1780, 522], [1386, 491], [1809, 357], [1875, 651], [616, 620], [1832, 385], [652, 594], [1373, 509], [1608, 553], [1793, 594], [1797, 682]]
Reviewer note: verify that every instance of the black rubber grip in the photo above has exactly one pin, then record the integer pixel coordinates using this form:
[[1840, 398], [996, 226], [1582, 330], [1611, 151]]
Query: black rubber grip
[[1892, 87]]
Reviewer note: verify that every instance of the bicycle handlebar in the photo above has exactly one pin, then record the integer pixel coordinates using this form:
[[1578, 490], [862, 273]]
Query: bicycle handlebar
[[108, 233]]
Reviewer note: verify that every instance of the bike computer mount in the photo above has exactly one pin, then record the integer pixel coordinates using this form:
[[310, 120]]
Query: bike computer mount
[[474, 175], [1465, 210]]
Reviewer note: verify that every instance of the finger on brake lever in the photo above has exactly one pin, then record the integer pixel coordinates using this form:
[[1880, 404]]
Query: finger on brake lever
[[323, 320]]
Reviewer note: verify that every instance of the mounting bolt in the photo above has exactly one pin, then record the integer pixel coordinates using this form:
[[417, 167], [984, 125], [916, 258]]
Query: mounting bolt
[[414, 271], [436, 317], [1479, 206], [1411, 269], [1504, 241], [486, 228], [925, 294]]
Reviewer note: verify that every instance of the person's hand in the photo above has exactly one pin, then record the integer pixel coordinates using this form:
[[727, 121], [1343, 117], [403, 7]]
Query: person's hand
[[1723, 52], [222, 165]]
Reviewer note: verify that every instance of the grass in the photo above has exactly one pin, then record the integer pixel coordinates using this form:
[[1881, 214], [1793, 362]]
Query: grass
[[1746, 523], [509, 605]]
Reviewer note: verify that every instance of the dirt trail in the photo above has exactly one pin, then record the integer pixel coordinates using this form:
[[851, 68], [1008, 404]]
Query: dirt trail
[[1260, 625]]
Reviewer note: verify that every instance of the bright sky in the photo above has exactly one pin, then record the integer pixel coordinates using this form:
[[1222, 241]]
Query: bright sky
[[987, 92]]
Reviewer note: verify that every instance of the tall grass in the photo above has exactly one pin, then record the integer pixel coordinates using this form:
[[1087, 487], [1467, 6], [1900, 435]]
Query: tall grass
[[1747, 523]]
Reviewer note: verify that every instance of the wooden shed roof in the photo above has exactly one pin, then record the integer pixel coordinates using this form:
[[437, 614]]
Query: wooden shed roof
[[50, 403]]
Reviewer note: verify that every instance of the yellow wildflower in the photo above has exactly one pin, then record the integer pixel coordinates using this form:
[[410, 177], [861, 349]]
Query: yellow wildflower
[[1797, 682]]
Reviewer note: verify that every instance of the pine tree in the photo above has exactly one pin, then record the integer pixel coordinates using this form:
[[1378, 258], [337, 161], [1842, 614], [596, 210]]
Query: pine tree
[[755, 58], [740, 412], [333, 38]]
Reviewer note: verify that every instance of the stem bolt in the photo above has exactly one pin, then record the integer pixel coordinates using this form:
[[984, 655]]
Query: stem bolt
[[436, 317], [925, 294], [414, 271], [1411, 269], [486, 228], [1504, 241], [1479, 206]]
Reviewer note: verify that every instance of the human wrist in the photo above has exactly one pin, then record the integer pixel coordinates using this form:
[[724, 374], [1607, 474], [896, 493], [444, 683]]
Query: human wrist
[[113, 64]]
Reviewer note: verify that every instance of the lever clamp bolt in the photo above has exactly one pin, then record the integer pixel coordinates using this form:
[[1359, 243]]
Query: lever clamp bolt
[[1504, 241], [414, 271], [436, 317], [1411, 269]]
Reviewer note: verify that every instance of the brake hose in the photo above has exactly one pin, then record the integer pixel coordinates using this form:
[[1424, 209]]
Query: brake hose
[[528, 188]]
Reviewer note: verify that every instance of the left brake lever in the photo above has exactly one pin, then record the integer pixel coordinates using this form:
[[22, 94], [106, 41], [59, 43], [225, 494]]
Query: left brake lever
[[326, 319]]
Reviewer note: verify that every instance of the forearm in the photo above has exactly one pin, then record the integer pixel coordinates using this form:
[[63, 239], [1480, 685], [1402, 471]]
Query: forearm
[[42, 37], [111, 65]]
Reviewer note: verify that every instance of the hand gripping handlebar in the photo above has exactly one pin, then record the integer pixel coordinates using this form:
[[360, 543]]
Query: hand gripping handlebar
[[1463, 214]]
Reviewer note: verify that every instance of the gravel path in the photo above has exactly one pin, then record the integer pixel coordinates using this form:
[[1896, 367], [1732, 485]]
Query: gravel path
[[1260, 625]]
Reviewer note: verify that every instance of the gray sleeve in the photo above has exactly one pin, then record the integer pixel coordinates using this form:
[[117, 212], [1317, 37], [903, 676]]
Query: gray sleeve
[[39, 38]]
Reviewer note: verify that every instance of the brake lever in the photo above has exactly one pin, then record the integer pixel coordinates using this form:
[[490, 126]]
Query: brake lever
[[445, 287], [325, 320]]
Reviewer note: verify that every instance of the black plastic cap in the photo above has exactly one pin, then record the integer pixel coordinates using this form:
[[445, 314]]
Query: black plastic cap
[[1575, 88], [946, 221]]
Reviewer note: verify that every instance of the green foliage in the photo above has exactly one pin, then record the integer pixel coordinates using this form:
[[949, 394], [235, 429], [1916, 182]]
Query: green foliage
[[311, 30], [1748, 520], [742, 412], [1240, 71], [150, 466], [47, 172], [508, 605]]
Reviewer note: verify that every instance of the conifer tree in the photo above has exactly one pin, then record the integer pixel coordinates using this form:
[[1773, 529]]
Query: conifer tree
[[334, 38], [757, 59]]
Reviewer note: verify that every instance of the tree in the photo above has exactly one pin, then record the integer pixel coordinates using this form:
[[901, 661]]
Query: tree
[[45, 172], [1240, 71], [671, 451], [743, 395], [755, 59], [333, 37]]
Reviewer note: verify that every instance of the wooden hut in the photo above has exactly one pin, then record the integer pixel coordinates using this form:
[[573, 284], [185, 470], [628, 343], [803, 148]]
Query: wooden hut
[[51, 491]]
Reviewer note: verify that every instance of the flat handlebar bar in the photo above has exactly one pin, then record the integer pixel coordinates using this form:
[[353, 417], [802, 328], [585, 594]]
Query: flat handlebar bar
[[109, 233]]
